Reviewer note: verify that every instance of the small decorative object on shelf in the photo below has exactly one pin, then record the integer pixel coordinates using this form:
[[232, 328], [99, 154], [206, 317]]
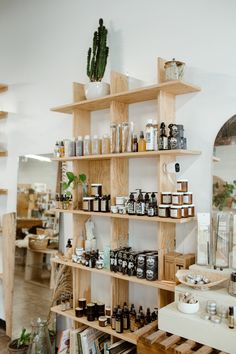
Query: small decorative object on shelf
[[123, 140], [198, 280], [74, 182], [40, 341], [96, 64], [174, 70], [187, 303]]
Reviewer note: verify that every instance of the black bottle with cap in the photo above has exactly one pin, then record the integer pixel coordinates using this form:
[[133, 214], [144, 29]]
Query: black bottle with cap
[[140, 204], [146, 200], [131, 205], [119, 321], [231, 317]]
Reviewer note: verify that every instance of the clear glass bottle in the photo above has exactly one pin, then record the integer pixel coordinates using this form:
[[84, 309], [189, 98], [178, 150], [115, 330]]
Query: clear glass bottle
[[87, 145], [40, 341], [96, 150], [105, 144]]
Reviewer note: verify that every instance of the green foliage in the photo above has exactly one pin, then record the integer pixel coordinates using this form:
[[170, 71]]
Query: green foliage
[[74, 181], [97, 57], [222, 193], [24, 339]]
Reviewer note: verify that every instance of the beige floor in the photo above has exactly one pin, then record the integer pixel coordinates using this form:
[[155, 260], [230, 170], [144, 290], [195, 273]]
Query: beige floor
[[30, 302]]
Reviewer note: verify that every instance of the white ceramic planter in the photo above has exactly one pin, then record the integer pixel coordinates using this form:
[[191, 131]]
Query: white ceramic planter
[[96, 90]]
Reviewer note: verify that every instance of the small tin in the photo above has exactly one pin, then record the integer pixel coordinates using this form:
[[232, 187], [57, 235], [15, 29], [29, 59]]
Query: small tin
[[100, 309], [102, 321], [215, 319], [176, 211], [96, 189], [82, 303], [88, 203], [191, 210], [79, 312], [91, 311], [177, 198], [164, 210], [182, 185], [166, 198], [184, 211]]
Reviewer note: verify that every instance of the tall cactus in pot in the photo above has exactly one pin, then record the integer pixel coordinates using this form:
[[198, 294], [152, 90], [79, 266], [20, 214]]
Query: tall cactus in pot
[[97, 55]]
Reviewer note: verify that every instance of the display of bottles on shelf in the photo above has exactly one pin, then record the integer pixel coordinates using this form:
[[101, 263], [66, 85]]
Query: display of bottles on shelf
[[123, 139], [175, 205], [119, 318]]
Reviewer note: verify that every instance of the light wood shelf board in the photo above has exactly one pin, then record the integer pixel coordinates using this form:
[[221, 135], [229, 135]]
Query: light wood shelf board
[[3, 114], [127, 336], [141, 94], [165, 285], [3, 153], [3, 191], [3, 88], [131, 155], [126, 216]]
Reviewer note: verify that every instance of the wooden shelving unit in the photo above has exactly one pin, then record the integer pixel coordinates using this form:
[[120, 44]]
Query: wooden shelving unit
[[141, 94], [112, 171], [126, 335], [159, 284], [126, 216], [131, 155]]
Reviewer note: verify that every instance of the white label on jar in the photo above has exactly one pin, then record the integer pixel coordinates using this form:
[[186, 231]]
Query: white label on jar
[[162, 212], [103, 205], [175, 199], [179, 186], [173, 213], [166, 199], [186, 199], [182, 212], [85, 205], [190, 211]]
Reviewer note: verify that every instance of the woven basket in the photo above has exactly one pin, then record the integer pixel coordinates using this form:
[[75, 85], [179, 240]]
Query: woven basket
[[36, 244]]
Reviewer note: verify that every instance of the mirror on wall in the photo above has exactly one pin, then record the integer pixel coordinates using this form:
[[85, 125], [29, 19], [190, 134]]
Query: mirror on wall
[[224, 196], [37, 230]]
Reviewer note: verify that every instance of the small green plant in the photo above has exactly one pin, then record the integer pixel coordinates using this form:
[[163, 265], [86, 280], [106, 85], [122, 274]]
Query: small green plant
[[97, 57], [24, 339], [222, 193], [73, 181]]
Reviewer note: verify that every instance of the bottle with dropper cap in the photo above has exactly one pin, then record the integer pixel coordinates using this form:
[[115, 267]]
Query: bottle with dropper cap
[[141, 143]]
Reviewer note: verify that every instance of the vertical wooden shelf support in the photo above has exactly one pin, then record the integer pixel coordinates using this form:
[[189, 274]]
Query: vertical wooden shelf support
[[166, 232], [119, 178]]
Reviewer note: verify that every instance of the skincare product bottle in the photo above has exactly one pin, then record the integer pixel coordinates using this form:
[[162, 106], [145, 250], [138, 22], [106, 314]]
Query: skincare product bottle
[[135, 144], [140, 204], [147, 201], [152, 208], [141, 143], [57, 150], [231, 317], [131, 205], [155, 133], [119, 321], [149, 135]]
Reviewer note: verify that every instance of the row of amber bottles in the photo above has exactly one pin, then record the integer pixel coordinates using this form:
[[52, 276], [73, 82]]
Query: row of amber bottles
[[129, 319]]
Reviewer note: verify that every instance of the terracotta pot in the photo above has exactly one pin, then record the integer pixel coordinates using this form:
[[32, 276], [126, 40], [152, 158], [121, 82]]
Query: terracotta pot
[[96, 89], [16, 351]]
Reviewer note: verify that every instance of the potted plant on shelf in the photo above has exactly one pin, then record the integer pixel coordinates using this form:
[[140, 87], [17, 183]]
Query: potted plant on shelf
[[223, 195], [21, 344], [96, 64], [74, 182]]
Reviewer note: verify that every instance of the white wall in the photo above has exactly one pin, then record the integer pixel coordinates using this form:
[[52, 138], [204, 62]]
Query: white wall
[[43, 49]]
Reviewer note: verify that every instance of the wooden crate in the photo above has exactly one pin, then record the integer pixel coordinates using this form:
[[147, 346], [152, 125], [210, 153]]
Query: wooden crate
[[159, 342], [175, 261]]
